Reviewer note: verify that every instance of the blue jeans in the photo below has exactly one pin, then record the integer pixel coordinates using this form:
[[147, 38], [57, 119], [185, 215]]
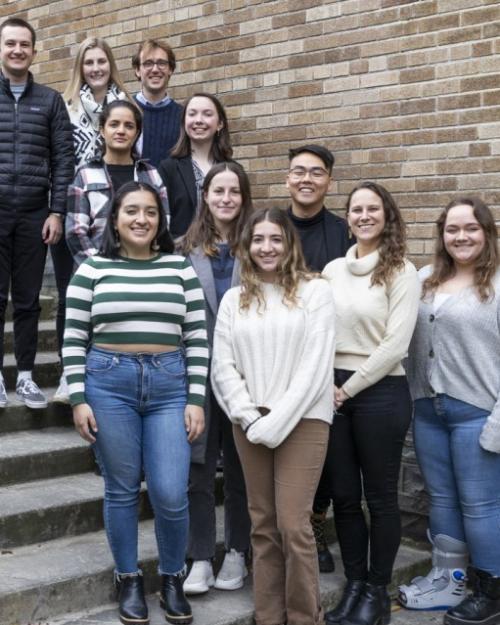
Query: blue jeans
[[138, 402], [462, 478]]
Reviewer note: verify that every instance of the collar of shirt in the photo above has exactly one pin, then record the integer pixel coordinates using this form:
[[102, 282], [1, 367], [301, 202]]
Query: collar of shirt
[[166, 100]]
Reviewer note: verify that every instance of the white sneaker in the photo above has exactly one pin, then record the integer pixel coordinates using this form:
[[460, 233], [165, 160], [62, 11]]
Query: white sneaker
[[233, 571], [200, 578], [61, 396]]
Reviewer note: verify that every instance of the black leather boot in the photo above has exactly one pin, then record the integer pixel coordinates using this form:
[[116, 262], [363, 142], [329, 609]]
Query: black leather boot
[[133, 609], [373, 607], [325, 558], [483, 606], [173, 600], [349, 599]]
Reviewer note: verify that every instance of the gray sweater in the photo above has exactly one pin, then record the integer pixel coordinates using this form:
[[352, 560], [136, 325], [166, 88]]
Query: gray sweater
[[456, 350]]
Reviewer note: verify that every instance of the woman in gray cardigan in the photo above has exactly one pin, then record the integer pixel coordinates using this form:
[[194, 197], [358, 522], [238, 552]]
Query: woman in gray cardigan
[[454, 374], [210, 244]]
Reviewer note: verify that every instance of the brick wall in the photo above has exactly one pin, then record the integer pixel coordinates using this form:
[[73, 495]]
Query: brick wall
[[404, 92]]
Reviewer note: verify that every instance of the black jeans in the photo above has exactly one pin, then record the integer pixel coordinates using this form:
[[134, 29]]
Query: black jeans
[[368, 435], [22, 261], [202, 493], [63, 270]]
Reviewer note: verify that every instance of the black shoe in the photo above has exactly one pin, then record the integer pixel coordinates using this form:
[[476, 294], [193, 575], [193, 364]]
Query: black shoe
[[373, 607], [173, 600], [133, 609], [348, 601], [483, 606], [325, 558]]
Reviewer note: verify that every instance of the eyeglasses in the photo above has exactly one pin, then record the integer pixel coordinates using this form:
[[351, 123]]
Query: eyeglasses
[[316, 173], [161, 64]]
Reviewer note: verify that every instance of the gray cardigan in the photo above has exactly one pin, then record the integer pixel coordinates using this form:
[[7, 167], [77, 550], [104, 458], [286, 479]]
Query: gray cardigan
[[203, 268], [456, 350]]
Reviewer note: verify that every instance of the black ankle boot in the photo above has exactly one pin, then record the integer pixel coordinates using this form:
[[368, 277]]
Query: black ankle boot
[[173, 600], [325, 558], [483, 606], [133, 609], [348, 601], [373, 607]]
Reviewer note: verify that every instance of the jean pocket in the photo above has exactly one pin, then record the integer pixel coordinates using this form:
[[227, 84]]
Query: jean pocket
[[99, 363], [173, 365]]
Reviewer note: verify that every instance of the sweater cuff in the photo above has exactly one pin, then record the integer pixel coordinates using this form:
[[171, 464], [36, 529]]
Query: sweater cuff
[[246, 421]]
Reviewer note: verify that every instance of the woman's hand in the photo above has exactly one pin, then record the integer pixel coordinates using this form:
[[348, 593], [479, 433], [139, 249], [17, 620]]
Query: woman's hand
[[194, 418], [339, 397], [84, 421]]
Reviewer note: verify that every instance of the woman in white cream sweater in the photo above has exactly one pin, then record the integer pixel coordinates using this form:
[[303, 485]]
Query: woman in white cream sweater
[[272, 373], [376, 292]]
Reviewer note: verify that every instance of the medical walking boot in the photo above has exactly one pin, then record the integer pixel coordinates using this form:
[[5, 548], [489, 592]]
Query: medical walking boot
[[480, 608]]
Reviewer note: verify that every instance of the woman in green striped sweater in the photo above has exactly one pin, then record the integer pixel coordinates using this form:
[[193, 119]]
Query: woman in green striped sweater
[[134, 395]]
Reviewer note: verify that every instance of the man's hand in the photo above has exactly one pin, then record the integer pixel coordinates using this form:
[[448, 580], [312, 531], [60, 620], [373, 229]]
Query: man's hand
[[52, 229]]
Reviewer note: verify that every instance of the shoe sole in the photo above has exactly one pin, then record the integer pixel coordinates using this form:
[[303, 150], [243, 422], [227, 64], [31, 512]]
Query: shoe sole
[[176, 620], [32, 404], [131, 621], [62, 399], [229, 584], [494, 619], [198, 590]]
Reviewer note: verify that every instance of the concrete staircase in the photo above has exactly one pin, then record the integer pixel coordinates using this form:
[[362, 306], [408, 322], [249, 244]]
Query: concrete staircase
[[55, 565]]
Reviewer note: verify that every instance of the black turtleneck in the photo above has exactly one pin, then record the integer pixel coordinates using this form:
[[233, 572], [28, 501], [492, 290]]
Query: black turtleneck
[[313, 238]]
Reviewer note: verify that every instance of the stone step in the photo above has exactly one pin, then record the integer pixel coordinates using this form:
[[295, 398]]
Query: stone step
[[47, 371], [71, 505], [71, 574], [42, 454], [48, 305], [47, 338], [16, 416]]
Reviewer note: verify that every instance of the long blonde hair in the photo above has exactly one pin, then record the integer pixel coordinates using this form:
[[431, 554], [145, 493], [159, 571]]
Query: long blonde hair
[[292, 268], [72, 92]]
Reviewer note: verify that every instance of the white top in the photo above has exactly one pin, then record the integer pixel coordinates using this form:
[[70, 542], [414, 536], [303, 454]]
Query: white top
[[374, 323], [280, 358], [439, 300]]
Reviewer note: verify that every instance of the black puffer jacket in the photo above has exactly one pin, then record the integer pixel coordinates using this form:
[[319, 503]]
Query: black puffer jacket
[[36, 148]]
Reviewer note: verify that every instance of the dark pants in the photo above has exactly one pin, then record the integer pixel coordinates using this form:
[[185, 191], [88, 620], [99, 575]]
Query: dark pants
[[22, 261], [368, 435], [63, 270], [202, 493]]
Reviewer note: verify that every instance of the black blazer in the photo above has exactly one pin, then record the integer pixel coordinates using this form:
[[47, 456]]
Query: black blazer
[[178, 177]]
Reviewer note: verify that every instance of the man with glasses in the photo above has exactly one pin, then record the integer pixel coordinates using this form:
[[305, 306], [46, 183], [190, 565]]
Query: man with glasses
[[154, 63], [324, 237]]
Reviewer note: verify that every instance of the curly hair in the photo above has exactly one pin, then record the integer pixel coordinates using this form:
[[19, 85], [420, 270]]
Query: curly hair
[[486, 265], [292, 268], [392, 246], [202, 232]]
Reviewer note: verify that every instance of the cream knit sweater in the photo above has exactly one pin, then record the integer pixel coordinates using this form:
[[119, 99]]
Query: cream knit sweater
[[280, 358], [374, 324]]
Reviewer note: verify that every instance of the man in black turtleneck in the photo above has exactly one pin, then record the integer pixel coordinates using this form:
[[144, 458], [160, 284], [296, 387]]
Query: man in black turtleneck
[[324, 237]]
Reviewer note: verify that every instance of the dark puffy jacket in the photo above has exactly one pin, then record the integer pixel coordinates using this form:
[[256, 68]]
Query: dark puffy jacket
[[36, 148]]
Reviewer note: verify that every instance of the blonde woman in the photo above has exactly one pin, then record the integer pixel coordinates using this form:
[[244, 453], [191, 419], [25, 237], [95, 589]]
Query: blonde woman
[[272, 373], [95, 82]]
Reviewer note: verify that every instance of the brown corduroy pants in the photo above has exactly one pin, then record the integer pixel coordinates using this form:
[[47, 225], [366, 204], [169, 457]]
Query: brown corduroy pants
[[281, 484]]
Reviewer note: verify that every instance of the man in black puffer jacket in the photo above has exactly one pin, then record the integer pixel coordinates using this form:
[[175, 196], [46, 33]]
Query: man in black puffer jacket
[[36, 167]]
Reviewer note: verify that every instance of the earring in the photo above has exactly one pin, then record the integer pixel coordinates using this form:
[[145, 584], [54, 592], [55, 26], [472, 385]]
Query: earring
[[154, 245]]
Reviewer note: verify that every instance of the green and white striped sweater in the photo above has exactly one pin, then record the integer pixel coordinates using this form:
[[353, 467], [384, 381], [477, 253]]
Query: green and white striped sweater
[[120, 301]]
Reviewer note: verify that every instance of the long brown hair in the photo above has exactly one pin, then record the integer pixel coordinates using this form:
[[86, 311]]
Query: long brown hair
[[202, 232], [293, 267], [443, 266], [221, 149], [392, 247]]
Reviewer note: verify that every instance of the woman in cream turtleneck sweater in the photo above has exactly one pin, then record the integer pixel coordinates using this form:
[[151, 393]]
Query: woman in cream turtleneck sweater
[[376, 292], [272, 373]]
